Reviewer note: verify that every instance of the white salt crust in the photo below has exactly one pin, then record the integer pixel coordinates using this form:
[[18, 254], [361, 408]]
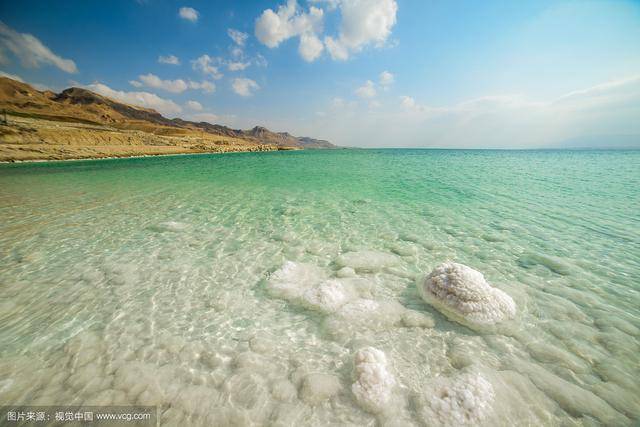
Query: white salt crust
[[346, 301], [374, 383], [463, 400], [462, 294], [308, 286]]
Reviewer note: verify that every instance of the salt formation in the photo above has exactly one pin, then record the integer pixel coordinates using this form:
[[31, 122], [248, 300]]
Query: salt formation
[[328, 296], [463, 400], [374, 383], [317, 388], [363, 316], [463, 295], [293, 279], [307, 285]]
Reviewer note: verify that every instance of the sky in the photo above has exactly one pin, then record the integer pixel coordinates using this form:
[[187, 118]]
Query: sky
[[366, 73]]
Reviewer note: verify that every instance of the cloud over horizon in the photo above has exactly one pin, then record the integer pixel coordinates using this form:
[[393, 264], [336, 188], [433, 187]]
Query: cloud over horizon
[[492, 121]]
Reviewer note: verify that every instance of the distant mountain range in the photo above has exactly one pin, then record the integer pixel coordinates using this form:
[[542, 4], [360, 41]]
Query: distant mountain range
[[84, 106]]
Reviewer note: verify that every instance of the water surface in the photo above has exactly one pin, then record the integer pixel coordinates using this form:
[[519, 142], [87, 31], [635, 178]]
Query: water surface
[[143, 281]]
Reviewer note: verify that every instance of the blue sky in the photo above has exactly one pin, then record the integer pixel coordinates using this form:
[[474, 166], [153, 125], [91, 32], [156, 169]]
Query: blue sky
[[356, 72]]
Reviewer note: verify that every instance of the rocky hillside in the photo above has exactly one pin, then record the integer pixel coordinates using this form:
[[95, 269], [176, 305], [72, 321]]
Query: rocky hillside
[[84, 106]]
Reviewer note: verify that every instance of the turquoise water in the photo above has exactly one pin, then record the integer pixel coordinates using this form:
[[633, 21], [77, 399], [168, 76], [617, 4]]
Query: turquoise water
[[145, 281]]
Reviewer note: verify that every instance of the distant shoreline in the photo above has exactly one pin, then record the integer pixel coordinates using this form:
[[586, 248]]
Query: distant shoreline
[[137, 156]]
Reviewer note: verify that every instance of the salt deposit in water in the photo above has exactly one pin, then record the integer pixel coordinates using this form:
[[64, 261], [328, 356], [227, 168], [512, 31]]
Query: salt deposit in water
[[463, 400], [462, 294], [374, 383]]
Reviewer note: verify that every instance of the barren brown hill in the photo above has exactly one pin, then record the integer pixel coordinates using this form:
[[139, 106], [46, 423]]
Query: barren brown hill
[[80, 118]]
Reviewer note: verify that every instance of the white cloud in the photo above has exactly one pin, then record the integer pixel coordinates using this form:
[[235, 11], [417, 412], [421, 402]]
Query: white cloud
[[244, 87], [613, 92], [236, 52], [11, 76], [205, 86], [238, 37], [272, 28], [194, 105], [587, 117], [260, 61], [204, 64], [337, 50], [31, 52], [408, 102], [188, 13], [310, 47], [386, 78], [339, 104], [239, 61], [141, 99], [330, 4], [173, 86], [368, 90], [364, 23], [237, 66], [169, 59]]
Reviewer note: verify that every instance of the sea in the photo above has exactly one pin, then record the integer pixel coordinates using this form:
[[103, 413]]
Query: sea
[[187, 283]]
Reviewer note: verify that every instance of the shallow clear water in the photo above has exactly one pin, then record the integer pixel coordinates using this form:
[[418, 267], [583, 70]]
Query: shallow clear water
[[145, 281]]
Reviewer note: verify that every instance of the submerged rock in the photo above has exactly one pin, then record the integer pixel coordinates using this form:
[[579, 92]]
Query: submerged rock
[[374, 383], [463, 295]]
